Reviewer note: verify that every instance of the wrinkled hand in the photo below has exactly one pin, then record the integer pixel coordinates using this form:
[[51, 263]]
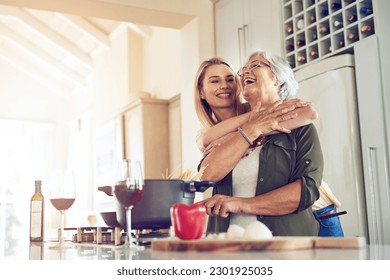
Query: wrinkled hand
[[267, 120], [222, 205], [298, 103]]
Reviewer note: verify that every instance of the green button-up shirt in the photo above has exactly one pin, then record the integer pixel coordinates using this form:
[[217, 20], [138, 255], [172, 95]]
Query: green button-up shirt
[[284, 159]]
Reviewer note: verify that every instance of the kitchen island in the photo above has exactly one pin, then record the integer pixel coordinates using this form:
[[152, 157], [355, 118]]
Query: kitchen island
[[42, 251]]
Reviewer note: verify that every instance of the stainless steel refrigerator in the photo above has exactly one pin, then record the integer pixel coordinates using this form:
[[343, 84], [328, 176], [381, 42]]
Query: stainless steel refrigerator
[[330, 85]]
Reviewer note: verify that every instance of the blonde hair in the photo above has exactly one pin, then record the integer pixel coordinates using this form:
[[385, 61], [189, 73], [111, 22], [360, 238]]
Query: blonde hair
[[203, 109]]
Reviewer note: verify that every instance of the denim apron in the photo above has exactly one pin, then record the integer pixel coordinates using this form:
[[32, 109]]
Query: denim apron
[[329, 226]]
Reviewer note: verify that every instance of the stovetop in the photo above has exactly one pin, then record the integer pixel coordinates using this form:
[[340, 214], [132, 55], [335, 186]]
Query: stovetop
[[114, 235]]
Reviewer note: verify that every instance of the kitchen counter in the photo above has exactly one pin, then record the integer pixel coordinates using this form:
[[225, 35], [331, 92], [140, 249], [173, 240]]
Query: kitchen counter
[[42, 251]]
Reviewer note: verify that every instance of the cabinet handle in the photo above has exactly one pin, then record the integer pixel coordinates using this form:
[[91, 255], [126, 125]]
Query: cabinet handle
[[240, 49], [245, 40], [372, 196]]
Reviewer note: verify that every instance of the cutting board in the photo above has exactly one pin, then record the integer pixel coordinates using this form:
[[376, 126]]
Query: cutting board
[[274, 243]]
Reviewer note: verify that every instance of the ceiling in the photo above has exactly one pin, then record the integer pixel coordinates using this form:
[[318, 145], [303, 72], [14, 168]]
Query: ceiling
[[55, 49]]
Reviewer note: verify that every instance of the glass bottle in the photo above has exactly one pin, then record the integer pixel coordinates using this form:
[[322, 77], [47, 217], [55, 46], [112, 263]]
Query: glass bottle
[[365, 11], [352, 17], [337, 24], [37, 214], [289, 29], [322, 29], [313, 53], [366, 28], [290, 47], [300, 42], [301, 58]]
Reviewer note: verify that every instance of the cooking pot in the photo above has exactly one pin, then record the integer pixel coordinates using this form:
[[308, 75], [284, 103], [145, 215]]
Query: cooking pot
[[153, 210]]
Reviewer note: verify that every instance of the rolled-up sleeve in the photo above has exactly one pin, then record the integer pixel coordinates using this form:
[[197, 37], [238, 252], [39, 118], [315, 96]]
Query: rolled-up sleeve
[[309, 165]]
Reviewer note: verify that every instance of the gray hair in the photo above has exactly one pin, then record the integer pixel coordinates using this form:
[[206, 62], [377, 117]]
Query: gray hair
[[282, 71]]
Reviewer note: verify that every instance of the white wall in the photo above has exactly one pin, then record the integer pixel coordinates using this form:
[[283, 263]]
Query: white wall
[[167, 61]]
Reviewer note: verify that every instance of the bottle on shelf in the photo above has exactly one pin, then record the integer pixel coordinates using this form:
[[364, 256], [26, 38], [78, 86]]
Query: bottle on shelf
[[300, 23], [301, 58], [335, 6], [366, 28], [37, 214], [338, 24], [289, 47], [300, 42], [314, 36], [289, 29], [322, 29], [352, 36], [352, 17], [312, 18], [341, 43], [313, 53], [365, 11]]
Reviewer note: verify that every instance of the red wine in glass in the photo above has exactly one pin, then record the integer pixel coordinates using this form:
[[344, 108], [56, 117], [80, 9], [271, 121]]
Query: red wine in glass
[[128, 197], [62, 203]]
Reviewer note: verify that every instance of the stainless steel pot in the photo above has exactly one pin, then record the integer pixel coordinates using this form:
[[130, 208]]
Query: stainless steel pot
[[153, 210]]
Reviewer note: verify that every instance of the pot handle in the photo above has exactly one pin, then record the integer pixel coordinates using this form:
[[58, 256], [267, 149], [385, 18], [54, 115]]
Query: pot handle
[[201, 186], [106, 189]]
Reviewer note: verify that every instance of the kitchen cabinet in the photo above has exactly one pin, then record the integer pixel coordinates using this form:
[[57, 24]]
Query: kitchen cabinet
[[146, 135], [243, 26]]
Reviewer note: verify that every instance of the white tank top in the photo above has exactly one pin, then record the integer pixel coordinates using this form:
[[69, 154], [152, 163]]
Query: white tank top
[[245, 176]]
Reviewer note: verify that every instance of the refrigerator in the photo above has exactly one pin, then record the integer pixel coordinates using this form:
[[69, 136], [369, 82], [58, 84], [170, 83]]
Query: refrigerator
[[330, 85]]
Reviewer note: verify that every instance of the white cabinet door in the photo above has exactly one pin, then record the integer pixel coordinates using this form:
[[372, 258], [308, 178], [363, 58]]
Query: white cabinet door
[[229, 28], [263, 18], [243, 26]]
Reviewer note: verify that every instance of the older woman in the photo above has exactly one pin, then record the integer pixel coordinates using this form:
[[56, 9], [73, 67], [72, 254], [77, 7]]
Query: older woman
[[273, 178]]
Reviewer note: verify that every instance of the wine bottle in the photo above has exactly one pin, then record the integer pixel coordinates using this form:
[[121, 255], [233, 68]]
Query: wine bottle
[[300, 42], [352, 36], [301, 58], [323, 29], [312, 18], [365, 11], [352, 17], [290, 47], [338, 24], [289, 29], [37, 214], [313, 53], [341, 43], [366, 28]]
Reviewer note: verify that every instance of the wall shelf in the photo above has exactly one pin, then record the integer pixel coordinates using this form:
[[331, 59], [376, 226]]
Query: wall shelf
[[315, 29]]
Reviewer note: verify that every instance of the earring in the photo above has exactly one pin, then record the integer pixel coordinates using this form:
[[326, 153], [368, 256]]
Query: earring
[[201, 96]]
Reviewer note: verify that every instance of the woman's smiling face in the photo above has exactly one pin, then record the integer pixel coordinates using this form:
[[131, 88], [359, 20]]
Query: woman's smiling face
[[259, 82], [219, 87]]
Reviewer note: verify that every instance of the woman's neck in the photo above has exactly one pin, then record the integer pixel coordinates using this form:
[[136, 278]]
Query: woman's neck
[[224, 113]]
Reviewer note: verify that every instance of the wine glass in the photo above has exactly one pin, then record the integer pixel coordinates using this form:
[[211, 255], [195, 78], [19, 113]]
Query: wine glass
[[62, 196], [128, 192]]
